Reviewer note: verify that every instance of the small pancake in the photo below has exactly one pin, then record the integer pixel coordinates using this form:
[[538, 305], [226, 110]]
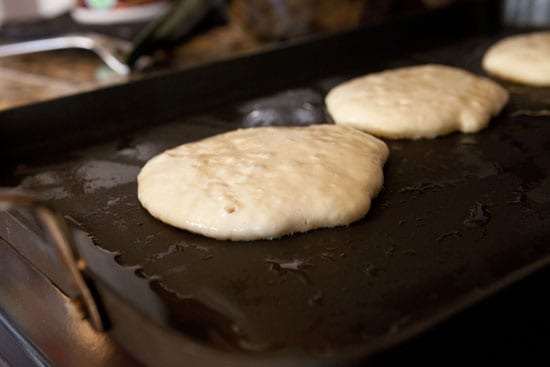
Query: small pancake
[[417, 102], [523, 59]]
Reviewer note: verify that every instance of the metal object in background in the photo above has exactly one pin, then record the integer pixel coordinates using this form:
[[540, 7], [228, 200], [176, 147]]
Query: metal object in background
[[527, 12], [75, 287], [109, 49], [173, 25], [122, 56]]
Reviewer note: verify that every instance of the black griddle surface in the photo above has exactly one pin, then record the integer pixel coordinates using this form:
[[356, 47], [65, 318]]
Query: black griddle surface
[[458, 218]]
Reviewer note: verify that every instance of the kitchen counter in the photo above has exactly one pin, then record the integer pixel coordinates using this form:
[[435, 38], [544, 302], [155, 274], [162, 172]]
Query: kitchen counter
[[220, 35], [41, 76]]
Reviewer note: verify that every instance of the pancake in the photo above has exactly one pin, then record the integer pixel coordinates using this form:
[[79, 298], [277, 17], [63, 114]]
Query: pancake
[[523, 59], [265, 182], [417, 102]]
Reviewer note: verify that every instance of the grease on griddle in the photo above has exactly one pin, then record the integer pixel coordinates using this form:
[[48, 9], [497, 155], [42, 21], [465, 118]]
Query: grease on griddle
[[295, 266], [297, 107], [316, 299], [448, 235], [171, 249], [428, 186], [539, 194], [372, 270], [479, 216]]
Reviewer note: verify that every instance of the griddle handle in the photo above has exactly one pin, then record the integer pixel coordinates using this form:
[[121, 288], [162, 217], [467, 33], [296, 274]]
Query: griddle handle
[[61, 239]]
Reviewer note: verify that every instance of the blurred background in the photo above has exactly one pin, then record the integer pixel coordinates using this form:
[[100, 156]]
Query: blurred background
[[153, 36]]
